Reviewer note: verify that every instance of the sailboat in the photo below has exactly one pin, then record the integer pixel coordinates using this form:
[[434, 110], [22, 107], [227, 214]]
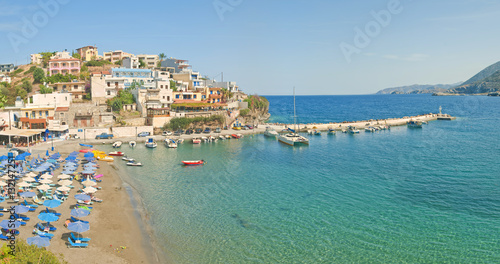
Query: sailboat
[[293, 138]]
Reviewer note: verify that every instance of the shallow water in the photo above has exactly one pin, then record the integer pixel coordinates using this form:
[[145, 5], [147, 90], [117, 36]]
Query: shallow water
[[403, 195]]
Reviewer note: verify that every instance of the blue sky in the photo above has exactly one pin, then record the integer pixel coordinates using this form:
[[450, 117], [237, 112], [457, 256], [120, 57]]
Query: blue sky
[[268, 47]]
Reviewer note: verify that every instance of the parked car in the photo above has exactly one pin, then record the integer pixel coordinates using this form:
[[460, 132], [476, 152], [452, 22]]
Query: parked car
[[179, 132], [104, 136], [166, 133], [249, 126], [189, 132], [198, 131], [143, 134], [207, 130], [217, 130]]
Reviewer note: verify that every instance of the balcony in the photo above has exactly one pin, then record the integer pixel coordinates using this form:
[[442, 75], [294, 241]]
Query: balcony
[[152, 98], [84, 115]]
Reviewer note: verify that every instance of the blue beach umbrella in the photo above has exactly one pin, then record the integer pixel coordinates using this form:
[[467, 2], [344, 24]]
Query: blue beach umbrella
[[78, 227], [38, 241], [82, 197], [21, 209], [52, 160], [27, 194], [89, 155], [79, 212], [48, 217], [47, 153], [7, 224], [52, 203], [3, 157], [20, 157]]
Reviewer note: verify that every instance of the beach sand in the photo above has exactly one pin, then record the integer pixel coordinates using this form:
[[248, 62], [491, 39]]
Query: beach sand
[[116, 228]]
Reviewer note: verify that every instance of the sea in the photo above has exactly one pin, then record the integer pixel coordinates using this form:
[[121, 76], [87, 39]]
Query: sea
[[429, 195]]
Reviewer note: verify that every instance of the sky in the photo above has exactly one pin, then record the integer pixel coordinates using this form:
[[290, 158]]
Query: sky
[[320, 47]]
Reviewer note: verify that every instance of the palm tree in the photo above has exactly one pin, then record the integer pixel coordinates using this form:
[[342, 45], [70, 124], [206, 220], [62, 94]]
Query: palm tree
[[162, 56]]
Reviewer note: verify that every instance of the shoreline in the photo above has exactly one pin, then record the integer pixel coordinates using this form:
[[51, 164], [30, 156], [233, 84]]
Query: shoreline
[[118, 229]]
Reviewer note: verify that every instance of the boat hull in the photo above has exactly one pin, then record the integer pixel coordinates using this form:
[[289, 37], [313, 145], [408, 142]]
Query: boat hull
[[193, 162]]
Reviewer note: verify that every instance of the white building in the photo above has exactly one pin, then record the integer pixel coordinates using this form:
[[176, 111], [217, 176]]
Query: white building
[[51, 100], [36, 59], [61, 55], [131, 62], [5, 78], [150, 60]]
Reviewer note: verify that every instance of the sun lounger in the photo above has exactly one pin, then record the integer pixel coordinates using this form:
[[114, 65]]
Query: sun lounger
[[45, 228], [21, 217], [36, 200], [47, 210], [42, 234], [95, 199], [29, 205], [16, 232], [79, 245], [2, 237], [83, 239], [84, 202]]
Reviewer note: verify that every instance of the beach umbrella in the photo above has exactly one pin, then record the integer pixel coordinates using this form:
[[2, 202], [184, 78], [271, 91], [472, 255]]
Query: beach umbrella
[[24, 184], [46, 181], [3, 157], [27, 194], [52, 160], [63, 176], [48, 217], [38, 241], [7, 224], [52, 203], [79, 212], [6, 177], [29, 179], [21, 209], [65, 182], [63, 189], [2, 183], [82, 197], [78, 227], [43, 187], [89, 183], [46, 176], [88, 155], [90, 190], [19, 157]]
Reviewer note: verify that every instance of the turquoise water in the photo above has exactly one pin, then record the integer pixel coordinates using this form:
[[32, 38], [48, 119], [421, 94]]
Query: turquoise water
[[405, 195]]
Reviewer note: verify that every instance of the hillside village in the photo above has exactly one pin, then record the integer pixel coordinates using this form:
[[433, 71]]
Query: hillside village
[[63, 94]]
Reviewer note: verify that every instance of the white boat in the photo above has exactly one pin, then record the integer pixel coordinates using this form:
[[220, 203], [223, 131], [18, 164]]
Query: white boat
[[331, 131], [180, 140], [228, 136], [414, 124], [353, 130], [128, 159], [132, 144], [222, 138], [117, 144], [205, 139], [170, 143], [293, 138], [196, 140], [151, 143], [314, 132], [212, 139], [370, 129], [270, 132], [133, 163]]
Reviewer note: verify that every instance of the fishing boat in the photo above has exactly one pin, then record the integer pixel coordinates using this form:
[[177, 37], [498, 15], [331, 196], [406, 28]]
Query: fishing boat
[[414, 124], [133, 163], [170, 143], [116, 153], [128, 159], [314, 132], [86, 145], [293, 138], [117, 144], [370, 129], [212, 139], [352, 130], [132, 144], [331, 131], [196, 140], [151, 143], [205, 139], [193, 162], [270, 132]]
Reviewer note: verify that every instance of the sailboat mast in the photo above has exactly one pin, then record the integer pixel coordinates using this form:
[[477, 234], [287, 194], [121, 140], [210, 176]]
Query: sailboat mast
[[294, 112]]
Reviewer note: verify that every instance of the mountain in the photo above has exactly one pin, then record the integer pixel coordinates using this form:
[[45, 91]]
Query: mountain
[[488, 71], [489, 84], [418, 89]]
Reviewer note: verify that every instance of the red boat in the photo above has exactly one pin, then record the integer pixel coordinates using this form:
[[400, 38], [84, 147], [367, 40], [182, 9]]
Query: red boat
[[235, 136], [193, 162], [116, 153], [86, 150]]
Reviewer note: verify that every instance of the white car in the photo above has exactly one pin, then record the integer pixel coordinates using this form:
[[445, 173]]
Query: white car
[[167, 133]]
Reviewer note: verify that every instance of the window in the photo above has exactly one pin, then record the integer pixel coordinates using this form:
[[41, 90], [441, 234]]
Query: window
[[109, 92], [194, 96], [75, 87], [176, 96], [76, 96], [40, 113], [64, 86], [109, 84], [161, 86], [26, 114], [163, 97], [46, 113]]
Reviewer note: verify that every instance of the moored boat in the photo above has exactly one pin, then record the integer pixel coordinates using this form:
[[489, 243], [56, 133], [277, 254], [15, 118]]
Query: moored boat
[[170, 143], [86, 145], [414, 124], [331, 131], [193, 162], [222, 138], [117, 144], [133, 163], [352, 130], [151, 143], [116, 153], [270, 132], [104, 157], [196, 140], [132, 144], [128, 159]]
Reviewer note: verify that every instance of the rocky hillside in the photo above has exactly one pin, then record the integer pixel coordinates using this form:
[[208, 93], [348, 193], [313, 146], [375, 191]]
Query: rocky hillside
[[488, 71], [488, 84], [418, 89]]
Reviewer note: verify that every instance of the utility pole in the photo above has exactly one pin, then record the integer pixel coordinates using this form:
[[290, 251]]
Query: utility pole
[[222, 76]]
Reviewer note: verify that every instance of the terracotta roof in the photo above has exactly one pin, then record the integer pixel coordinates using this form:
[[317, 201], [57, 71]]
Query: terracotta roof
[[70, 59], [187, 101], [102, 72], [60, 109]]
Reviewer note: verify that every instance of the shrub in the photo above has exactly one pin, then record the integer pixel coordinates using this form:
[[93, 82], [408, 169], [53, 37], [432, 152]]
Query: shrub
[[28, 254], [38, 75], [184, 122], [244, 112]]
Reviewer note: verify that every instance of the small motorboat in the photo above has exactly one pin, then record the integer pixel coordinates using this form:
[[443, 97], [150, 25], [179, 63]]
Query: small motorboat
[[132, 144], [205, 139], [86, 145], [222, 138], [105, 158], [196, 140], [133, 163], [128, 159], [193, 162], [170, 143], [235, 136], [117, 144], [270, 132], [180, 141], [331, 131], [228, 136], [239, 135], [151, 143], [116, 153]]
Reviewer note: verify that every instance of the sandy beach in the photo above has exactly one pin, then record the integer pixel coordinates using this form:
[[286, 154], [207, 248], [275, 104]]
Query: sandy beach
[[117, 232]]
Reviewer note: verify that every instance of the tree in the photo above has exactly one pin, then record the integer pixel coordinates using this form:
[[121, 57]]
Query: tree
[[118, 62], [46, 57], [27, 86], [21, 92], [38, 75], [162, 56], [3, 100], [76, 55], [45, 90], [173, 85], [142, 64]]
